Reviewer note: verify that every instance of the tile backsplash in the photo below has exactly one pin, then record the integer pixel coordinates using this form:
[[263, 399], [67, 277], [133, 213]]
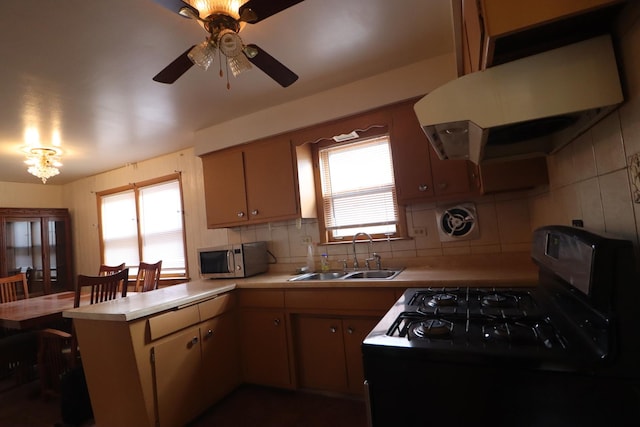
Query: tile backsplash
[[503, 221]]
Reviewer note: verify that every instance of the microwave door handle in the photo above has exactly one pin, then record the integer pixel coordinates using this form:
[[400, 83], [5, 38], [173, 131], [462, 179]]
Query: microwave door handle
[[230, 266]]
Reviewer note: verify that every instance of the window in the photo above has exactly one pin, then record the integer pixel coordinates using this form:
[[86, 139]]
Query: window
[[358, 190], [144, 222]]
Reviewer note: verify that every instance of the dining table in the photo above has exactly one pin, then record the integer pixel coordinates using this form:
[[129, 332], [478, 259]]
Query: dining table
[[35, 312]]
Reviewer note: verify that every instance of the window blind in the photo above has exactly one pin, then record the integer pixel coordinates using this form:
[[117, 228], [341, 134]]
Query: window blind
[[149, 230], [358, 188]]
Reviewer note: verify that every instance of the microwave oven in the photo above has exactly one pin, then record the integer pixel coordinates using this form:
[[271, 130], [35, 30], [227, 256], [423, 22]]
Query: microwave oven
[[236, 260]]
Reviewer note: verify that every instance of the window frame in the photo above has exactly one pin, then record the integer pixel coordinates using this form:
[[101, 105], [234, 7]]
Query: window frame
[[136, 187], [325, 234]]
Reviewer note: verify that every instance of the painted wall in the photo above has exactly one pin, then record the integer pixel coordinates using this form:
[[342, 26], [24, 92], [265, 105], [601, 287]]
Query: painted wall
[[17, 195]]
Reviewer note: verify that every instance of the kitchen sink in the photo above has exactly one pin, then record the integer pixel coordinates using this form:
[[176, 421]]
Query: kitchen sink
[[373, 274], [346, 275], [328, 275]]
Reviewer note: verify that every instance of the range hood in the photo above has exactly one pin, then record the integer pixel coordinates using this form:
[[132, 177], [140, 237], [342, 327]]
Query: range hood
[[529, 107]]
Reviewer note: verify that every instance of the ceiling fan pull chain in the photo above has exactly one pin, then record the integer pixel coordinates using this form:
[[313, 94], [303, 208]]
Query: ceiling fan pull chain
[[220, 61], [227, 66]]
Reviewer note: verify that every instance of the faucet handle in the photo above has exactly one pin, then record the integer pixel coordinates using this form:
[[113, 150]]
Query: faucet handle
[[378, 259]]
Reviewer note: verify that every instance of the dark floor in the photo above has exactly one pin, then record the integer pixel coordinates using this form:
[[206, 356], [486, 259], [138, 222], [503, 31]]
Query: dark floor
[[248, 406], [252, 406]]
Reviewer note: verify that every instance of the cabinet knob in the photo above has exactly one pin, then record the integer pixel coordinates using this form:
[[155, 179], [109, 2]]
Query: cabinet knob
[[254, 212], [276, 322], [240, 214], [350, 330], [423, 187], [193, 342], [209, 332], [333, 329]]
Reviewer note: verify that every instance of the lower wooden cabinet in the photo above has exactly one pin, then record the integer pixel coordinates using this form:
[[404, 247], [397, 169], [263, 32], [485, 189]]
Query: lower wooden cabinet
[[265, 355], [177, 366], [328, 352], [194, 368], [221, 370]]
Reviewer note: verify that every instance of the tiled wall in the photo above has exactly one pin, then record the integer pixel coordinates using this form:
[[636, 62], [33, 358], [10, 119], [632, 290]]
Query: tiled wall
[[503, 221], [590, 179]]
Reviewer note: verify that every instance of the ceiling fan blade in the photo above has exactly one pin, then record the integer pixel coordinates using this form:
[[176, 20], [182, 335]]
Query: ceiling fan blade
[[176, 5], [256, 10], [271, 66], [173, 71]]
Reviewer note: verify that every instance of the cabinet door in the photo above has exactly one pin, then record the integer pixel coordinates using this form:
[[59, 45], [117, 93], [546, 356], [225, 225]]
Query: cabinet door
[[224, 188], [220, 357], [177, 368], [320, 353], [37, 242], [450, 177], [355, 331], [472, 36], [265, 357], [270, 180], [411, 156]]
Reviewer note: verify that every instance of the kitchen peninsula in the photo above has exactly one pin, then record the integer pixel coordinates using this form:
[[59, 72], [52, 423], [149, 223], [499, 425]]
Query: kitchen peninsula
[[162, 357]]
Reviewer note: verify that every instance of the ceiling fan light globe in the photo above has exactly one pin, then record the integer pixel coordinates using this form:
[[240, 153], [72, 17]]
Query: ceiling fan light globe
[[238, 64], [202, 55], [188, 13], [250, 51], [230, 43]]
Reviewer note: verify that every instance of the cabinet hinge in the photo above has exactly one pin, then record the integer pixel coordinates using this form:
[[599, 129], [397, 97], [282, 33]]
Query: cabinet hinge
[[153, 356]]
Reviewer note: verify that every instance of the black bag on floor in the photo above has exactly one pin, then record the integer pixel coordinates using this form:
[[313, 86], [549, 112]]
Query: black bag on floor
[[75, 404]]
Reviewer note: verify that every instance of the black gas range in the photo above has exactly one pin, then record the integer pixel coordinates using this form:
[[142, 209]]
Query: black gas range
[[562, 353]]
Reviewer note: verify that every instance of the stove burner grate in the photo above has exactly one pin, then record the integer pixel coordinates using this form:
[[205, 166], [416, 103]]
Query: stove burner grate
[[432, 328], [443, 300]]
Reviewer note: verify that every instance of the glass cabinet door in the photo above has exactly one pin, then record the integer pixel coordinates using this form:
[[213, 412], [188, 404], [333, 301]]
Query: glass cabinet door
[[38, 246], [23, 240]]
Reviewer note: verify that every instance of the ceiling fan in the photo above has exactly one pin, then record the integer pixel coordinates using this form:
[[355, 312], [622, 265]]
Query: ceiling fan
[[223, 20]]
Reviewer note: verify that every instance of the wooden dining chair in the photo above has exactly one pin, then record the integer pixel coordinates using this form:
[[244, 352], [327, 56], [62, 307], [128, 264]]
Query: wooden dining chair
[[106, 270], [102, 288], [55, 358], [58, 350], [148, 276], [13, 288]]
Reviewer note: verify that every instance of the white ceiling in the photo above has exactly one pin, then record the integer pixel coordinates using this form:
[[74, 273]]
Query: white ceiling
[[85, 68]]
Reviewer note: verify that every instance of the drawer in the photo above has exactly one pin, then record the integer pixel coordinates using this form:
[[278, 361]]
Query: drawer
[[261, 298], [340, 299], [167, 323], [216, 306]]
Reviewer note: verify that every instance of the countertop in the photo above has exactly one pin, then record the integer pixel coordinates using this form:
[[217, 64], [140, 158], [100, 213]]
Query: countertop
[[145, 304]]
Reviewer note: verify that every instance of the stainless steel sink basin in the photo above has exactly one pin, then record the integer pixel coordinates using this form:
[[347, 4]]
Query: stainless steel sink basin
[[329, 275], [373, 274], [353, 275]]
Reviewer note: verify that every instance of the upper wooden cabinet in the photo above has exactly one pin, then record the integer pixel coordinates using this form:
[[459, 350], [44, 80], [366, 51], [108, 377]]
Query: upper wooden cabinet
[[254, 183], [498, 31], [420, 175], [37, 242]]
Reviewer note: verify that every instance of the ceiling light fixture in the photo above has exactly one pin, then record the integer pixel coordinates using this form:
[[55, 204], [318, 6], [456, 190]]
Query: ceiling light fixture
[[209, 7], [43, 161]]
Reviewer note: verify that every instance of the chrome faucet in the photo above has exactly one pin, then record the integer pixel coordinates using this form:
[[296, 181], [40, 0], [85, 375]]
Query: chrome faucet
[[356, 265]]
